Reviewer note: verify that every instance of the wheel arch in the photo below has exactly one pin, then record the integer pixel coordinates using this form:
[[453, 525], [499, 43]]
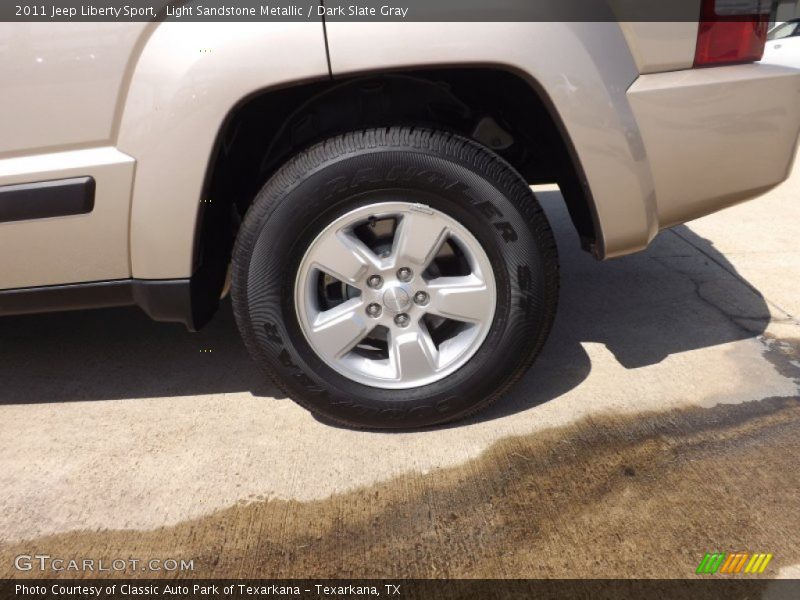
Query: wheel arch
[[264, 129]]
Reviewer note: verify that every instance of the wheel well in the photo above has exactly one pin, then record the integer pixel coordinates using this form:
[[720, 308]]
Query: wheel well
[[496, 107]]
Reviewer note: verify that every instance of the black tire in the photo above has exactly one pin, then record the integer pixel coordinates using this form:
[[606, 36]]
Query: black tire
[[464, 180]]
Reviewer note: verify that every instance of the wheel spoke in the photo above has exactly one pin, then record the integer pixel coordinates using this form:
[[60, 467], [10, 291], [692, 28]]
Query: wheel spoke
[[379, 335], [460, 298], [338, 330], [414, 356], [343, 256], [418, 238]]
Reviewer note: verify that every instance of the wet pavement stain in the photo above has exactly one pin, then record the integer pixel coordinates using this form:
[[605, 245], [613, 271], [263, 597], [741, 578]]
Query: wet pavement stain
[[784, 354], [633, 496]]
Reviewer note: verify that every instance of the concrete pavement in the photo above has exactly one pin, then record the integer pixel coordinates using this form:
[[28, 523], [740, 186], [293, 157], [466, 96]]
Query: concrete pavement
[[662, 416]]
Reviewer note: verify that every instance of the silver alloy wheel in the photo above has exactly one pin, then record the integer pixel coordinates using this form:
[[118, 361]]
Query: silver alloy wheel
[[430, 322]]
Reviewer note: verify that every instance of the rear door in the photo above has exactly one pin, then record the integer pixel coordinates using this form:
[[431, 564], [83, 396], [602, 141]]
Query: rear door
[[64, 188]]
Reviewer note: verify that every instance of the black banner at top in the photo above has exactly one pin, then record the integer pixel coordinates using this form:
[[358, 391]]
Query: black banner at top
[[378, 10]]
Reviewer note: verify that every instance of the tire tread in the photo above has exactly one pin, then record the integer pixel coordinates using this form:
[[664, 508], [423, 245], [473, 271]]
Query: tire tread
[[447, 144]]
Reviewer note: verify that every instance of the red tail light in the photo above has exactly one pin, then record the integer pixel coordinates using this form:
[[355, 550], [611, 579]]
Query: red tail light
[[731, 31]]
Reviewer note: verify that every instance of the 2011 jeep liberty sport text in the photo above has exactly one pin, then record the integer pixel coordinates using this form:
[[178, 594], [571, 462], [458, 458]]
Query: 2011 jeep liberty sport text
[[364, 188]]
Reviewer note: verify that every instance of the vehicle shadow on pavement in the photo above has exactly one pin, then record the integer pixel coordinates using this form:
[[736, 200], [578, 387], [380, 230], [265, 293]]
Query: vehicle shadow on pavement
[[679, 295], [121, 354]]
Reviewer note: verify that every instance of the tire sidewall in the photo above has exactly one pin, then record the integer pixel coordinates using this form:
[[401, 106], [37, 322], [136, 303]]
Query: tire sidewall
[[286, 221]]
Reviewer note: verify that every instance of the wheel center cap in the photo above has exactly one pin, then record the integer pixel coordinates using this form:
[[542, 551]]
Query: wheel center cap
[[396, 299]]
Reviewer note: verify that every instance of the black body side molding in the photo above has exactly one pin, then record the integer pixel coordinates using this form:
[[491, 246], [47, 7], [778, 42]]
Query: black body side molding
[[163, 300], [192, 301], [44, 199]]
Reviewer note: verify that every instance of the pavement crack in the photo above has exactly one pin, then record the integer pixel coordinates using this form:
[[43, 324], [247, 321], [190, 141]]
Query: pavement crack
[[731, 271], [733, 319], [783, 354]]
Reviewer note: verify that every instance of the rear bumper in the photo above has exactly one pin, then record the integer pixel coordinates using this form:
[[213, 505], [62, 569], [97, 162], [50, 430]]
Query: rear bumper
[[715, 137]]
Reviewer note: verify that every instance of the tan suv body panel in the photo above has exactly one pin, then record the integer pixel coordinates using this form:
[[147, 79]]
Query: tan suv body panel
[[63, 93], [63, 83], [92, 99], [178, 100], [655, 148]]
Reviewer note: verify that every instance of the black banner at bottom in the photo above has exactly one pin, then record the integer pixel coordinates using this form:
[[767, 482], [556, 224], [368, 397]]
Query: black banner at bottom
[[439, 589]]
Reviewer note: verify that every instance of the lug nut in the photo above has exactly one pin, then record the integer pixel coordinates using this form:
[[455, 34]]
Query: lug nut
[[421, 298], [374, 310], [402, 320], [375, 282], [405, 274]]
